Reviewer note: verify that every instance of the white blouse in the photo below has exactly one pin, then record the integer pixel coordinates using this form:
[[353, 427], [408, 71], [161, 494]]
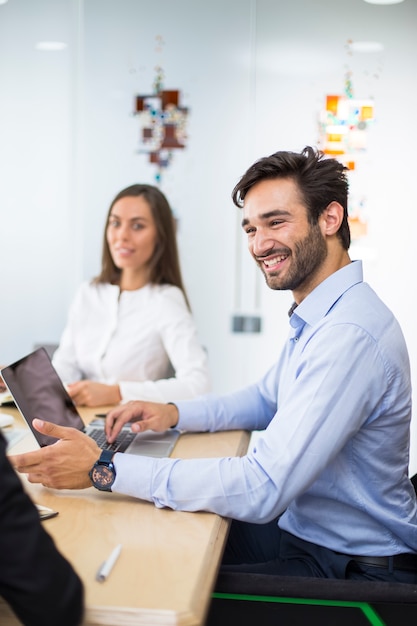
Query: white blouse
[[145, 341]]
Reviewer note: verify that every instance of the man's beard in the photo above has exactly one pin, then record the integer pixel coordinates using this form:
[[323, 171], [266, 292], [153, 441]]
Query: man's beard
[[309, 254]]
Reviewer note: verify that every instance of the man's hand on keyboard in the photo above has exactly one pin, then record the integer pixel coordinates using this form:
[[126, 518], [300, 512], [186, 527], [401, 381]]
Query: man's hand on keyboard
[[143, 415]]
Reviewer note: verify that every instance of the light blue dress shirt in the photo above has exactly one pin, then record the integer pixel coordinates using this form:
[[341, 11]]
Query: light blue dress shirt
[[333, 453]]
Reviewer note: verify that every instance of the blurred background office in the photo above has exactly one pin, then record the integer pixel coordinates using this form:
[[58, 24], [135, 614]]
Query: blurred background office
[[254, 76]]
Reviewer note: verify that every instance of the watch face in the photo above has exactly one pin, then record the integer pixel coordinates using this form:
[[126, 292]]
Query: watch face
[[102, 476]]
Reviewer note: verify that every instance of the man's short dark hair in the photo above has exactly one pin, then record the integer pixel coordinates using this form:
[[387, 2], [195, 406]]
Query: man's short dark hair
[[320, 180]]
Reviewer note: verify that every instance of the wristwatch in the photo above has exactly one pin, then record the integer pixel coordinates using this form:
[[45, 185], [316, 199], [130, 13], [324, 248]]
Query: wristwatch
[[103, 472]]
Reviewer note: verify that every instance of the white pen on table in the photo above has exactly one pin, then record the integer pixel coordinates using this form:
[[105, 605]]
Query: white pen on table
[[106, 567]]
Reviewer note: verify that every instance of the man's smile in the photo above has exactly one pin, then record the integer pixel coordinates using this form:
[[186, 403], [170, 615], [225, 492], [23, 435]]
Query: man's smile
[[273, 262]]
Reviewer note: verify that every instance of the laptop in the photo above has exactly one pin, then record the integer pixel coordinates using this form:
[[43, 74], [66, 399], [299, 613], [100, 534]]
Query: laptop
[[38, 391]]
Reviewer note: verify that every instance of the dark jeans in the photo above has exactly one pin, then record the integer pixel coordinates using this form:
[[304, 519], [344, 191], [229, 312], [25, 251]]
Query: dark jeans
[[266, 549]]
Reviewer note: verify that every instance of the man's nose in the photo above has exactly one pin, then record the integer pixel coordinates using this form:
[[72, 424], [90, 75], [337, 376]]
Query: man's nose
[[261, 243]]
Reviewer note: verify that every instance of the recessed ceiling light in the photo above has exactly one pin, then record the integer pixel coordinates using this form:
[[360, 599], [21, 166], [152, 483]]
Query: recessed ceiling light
[[50, 45], [3, 1], [366, 46], [384, 1]]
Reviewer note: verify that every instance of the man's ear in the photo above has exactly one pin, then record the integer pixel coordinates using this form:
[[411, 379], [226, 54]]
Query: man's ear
[[331, 218]]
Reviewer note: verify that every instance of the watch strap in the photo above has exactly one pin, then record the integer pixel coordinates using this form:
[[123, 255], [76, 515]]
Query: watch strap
[[106, 456]]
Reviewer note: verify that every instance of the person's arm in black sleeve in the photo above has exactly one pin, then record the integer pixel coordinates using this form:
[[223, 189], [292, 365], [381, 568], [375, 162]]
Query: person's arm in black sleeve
[[36, 580]]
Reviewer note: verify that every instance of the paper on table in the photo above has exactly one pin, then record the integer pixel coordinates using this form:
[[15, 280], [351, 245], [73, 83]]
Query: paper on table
[[6, 398], [13, 436]]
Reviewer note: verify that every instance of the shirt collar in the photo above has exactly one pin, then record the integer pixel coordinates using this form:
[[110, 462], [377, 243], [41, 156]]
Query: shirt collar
[[317, 304]]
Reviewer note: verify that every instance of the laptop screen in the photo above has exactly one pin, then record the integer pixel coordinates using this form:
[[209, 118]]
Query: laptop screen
[[38, 392]]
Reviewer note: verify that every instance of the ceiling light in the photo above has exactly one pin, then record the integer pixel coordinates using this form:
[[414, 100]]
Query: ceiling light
[[50, 45], [384, 1], [366, 46]]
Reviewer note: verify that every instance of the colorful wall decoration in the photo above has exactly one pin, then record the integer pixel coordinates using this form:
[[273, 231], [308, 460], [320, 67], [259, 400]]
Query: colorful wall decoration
[[163, 123], [344, 125]]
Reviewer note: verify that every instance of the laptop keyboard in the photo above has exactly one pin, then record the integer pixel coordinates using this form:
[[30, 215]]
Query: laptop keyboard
[[122, 442]]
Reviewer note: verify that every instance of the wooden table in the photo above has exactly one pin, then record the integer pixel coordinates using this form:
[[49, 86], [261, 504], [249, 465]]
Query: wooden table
[[169, 560]]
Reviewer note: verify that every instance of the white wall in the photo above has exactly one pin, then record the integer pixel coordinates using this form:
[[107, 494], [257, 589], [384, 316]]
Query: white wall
[[254, 74], [35, 142]]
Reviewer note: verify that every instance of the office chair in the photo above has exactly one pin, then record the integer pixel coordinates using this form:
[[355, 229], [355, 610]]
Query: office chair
[[245, 584]]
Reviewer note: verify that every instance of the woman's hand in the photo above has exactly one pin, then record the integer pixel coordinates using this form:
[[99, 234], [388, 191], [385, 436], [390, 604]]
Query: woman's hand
[[2, 383], [90, 393]]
